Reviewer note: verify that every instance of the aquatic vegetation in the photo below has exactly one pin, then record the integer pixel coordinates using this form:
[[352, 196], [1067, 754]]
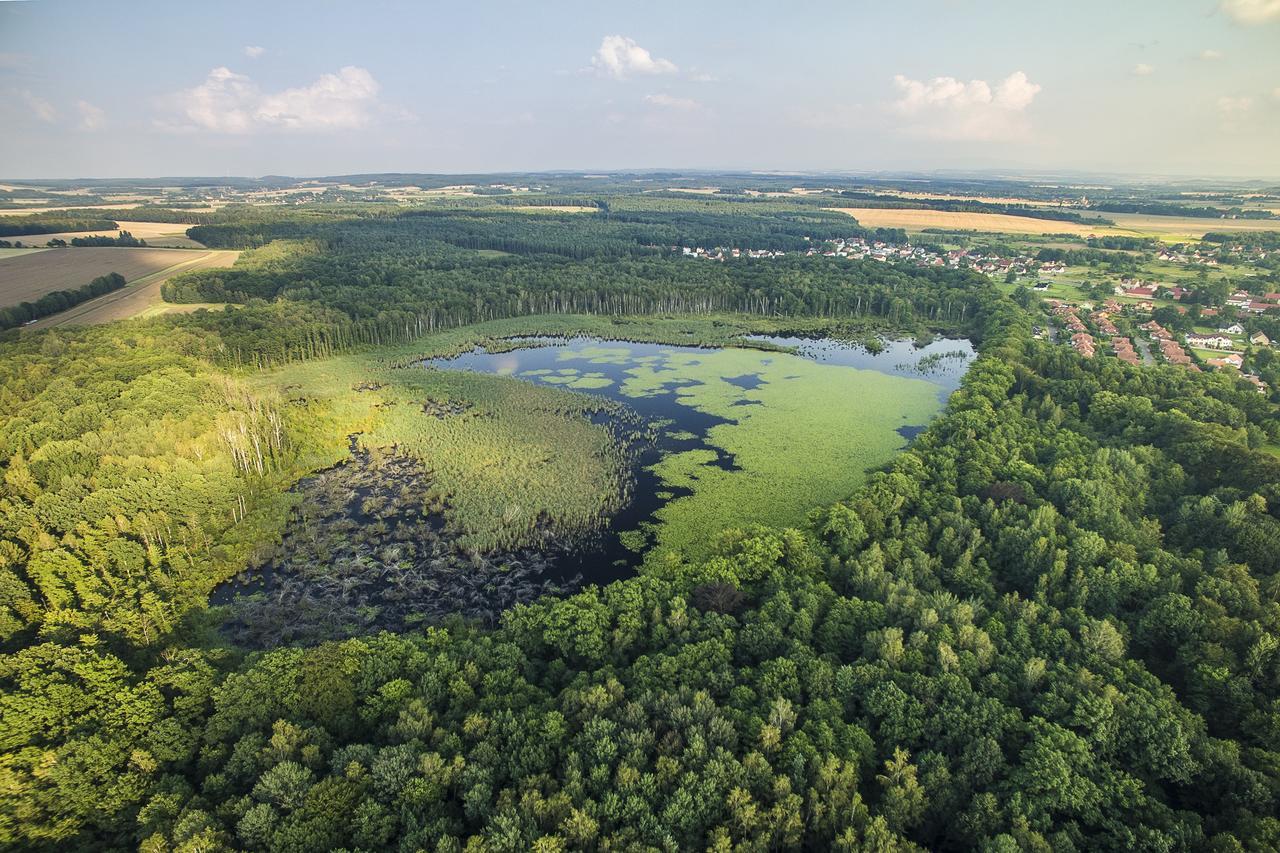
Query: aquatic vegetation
[[516, 464], [748, 435], [817, 431], [671, 445], [368, 549]]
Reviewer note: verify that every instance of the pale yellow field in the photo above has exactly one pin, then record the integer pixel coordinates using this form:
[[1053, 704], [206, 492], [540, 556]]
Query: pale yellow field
[[918, 220], [1169, 228], [171, 234], [1185, 226]]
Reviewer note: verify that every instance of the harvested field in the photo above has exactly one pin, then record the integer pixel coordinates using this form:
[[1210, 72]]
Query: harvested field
[[918, 220], [1174, 227], [140, 294], [165, 234], [32, 274], [1170, 228]]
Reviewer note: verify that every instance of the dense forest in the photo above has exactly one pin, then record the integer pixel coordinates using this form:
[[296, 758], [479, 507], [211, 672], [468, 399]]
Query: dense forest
[[387, 280], [53, 223], [1053, 623]]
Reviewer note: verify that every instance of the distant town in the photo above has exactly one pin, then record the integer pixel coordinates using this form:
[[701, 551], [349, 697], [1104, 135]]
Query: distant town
[[1120, 326]]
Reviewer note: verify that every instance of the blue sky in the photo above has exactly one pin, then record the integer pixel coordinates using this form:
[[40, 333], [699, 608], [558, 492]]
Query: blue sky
[[1188, 87]]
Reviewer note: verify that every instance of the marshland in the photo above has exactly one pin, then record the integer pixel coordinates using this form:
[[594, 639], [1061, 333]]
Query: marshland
[[521, 464]]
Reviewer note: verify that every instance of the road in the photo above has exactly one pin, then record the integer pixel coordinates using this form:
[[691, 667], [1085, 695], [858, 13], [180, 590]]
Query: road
[[1144, 347], [135, 297]]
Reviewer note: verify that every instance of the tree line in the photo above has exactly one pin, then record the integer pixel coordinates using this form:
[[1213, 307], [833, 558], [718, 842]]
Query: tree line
[[59, 300], [41, 223]]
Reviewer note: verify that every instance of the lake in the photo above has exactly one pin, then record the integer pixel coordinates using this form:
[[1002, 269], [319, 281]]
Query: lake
[[746, 436]]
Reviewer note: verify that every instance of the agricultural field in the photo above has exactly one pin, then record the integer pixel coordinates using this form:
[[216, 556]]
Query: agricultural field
[[17, 253], [918, 220], [157, 309], [143, 291], [159, 234], [29, 274], [1171, 229], [1175, 229]]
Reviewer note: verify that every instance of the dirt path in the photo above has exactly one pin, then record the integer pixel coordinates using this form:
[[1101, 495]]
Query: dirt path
[[135, 297]]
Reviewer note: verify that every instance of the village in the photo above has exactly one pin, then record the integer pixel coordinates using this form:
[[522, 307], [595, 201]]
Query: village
[[1127, 331], [1122, 326], [859, 248]]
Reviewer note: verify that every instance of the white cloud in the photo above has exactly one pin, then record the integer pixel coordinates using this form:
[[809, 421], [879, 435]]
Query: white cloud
[[1209, 55], [43, 109], [948, 108], [672, 102], [1234, 106], [91, 117], [227, 102], [620, 57], [1275, 93], [1252, 11], [1142, 69], [253, 51]]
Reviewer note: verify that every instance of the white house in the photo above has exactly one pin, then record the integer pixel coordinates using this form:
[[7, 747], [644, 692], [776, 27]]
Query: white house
[[1209, 341]]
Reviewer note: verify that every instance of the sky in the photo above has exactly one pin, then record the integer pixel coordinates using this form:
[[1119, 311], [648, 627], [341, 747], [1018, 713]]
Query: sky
[[148, 89]]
